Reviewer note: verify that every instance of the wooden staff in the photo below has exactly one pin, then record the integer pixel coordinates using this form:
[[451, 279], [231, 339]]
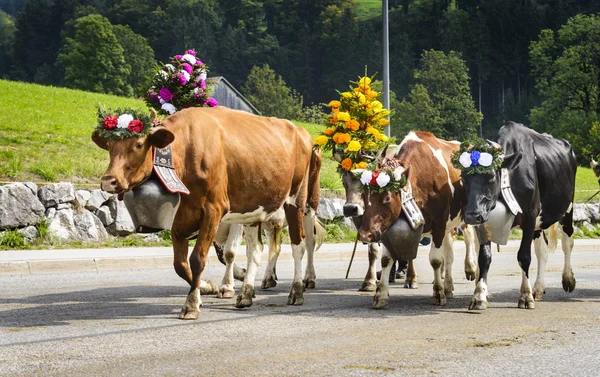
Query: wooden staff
[[352, 257]]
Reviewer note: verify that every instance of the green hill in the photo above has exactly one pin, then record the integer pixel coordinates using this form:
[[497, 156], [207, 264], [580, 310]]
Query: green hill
[[45, 135]]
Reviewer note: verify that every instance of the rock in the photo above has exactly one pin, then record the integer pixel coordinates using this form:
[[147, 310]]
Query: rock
[[63, 206], [82, 197], [54, 194], [580, 212], [89, 227], [104, 215], [62, 225], [50, 213], [19, 207], [97, 199], [32, 186], [29, 233], [123, 224], [329, 209]]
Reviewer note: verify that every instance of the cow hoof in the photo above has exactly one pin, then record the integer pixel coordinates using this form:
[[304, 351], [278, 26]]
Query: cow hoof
[[411, 284], [244, 299], [449, 294], [189, 314], [380, 302], [538, 295], [239, 274], [439, 299], [309, 283], [470, 275], [268, 283], [478, 305], [568, 284], [296, 296], [209, 288], [227, 292], [368, 287], [526, 303]]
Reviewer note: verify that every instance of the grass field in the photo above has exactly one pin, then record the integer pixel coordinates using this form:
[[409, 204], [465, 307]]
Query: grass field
[[369, 9]]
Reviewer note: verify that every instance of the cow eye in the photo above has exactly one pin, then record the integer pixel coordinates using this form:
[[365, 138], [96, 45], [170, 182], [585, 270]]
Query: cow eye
[[387, 199], [139, 145]]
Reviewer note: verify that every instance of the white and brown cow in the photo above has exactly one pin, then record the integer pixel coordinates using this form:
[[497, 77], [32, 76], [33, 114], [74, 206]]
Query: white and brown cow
[[240, 169], [437, 188]]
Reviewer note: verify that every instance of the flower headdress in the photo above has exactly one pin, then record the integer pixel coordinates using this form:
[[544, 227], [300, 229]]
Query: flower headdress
[[356, 126], [178, 85], [122, 123], [387, 177], [478, 157]]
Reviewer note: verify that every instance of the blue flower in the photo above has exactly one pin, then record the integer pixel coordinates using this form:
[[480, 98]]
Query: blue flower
[[475, 157]]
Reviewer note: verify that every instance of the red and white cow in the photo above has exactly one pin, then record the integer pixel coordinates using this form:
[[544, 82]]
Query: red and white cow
[[240, 169], [436, 185]]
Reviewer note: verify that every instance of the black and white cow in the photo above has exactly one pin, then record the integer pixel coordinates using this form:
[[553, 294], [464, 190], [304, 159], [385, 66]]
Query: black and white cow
[[542, 178]]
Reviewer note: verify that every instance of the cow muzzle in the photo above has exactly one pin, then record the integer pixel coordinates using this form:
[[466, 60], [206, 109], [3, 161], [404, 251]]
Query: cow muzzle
[[352, 210], [110, 185], [474, 218], [369, 236]]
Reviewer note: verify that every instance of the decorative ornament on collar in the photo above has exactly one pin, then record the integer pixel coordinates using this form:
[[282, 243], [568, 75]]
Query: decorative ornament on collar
[[123, 123], [385, 178], [478, 157]]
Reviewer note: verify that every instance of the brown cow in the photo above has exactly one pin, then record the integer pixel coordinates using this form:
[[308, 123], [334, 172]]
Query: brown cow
[[436, 185], [240, 168]]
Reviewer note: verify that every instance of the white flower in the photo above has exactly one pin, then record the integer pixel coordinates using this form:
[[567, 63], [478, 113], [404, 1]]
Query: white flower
[[163, 74], [201, 76], [485, 159], [189, 58], [162, 101], [185, 74], [383, 179], [465, 159], [170, 67], [124, 120], [168, 108], [366, 176]]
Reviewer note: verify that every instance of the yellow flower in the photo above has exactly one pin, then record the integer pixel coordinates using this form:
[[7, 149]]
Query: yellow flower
[[369, 145], [354, 146], [365, 81], [321, 140], [373, 131], [347, 95], [334, 103], [329, 131], [382, 137], [383, 122], [343, 116], [352, 125], [346, 164], [361, 98], [377, 106], [372, 94], [361, 165]]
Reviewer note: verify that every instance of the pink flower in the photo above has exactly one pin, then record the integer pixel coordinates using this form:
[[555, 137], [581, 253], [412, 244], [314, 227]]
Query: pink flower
[[165, 94], [211, 102], [202, 84], [199, 62], [178, 57], [154, 97], [191, 52], [182, 79], [188, 68]]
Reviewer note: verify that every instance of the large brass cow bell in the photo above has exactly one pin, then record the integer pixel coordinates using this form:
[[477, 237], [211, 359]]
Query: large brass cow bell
[[151, 206], [401, 240]]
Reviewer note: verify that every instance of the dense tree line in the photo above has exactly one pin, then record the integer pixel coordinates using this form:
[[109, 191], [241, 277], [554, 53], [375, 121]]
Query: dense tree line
[[316, 46]]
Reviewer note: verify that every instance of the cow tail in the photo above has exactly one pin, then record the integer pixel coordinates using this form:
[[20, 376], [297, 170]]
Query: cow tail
[[320, 233], [552, 237], [314, 179]]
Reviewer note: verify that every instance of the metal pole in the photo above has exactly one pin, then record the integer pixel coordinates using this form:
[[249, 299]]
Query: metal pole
[[386, 61]]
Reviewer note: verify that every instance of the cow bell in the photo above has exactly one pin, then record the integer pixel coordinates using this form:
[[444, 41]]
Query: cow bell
[[151, 206], [497, 228], [401, 240]]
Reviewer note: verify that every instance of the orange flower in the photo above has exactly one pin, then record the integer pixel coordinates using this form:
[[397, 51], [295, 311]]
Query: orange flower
[[332, 120], [341, 138], [361, 165], [346, 164], [329, 131], [352, 124], [335, 110], [372, 94]]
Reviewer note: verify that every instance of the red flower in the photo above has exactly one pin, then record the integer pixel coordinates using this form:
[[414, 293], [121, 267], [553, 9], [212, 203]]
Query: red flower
[[111, 122], [135, 126], [374, 179]]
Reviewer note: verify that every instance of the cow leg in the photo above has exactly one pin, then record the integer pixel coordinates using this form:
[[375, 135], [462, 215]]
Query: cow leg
[[448, 250], [568, 278], [524, 257], [369, 284], [411, 276], [471, 253], [220, 244], [309, 226], [274, 237], [209, 222], [294, 216], [253, 252], [234, 239], [381, 299], [436, 260], [479, 299], [541, 254]]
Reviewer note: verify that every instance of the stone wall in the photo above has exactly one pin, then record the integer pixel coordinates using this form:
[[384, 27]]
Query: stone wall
[[82, 215]]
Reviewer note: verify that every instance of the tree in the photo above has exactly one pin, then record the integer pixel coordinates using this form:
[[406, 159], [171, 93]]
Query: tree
[[7, 37], [441, 102], [566, 65], [269, 94], [138, 55], [94, 59]]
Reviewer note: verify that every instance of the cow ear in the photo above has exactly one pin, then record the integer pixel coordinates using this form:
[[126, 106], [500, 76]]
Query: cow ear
[[161, 137], [511, 161], [100, 141]]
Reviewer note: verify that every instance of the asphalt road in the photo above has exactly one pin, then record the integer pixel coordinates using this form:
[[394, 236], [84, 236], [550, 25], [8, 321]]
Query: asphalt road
[[124, 323]]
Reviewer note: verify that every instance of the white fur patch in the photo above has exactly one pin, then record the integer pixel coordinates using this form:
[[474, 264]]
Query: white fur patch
[[410, 137], [570, 207], [258, 215], [291, 200], [437, 153]]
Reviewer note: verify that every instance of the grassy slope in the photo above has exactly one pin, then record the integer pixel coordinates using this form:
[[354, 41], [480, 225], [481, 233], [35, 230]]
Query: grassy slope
[[45, 135], [369, 9]]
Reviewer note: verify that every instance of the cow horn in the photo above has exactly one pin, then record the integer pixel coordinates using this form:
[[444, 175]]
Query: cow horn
[[493, 143], [153, 114]]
